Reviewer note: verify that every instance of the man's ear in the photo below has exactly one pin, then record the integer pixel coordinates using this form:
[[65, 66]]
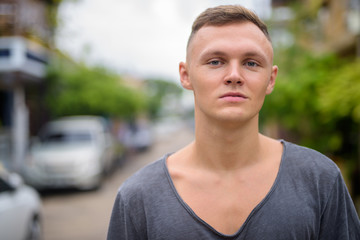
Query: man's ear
[[271, 83], [184, 76]]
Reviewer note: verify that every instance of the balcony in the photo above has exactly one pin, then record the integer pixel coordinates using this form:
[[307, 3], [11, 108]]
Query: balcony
[[22, 58]]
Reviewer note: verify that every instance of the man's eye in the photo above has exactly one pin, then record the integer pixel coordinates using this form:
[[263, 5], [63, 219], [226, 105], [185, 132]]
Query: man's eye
[[214, 62], [251, 64]]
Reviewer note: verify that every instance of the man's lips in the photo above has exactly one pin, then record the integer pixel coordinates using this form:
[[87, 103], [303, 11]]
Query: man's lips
[[233, 95]]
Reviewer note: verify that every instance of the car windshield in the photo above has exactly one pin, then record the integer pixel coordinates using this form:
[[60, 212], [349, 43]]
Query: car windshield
[[66, 137]]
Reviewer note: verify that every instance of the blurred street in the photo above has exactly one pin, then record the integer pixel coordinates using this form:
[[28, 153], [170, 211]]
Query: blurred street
[[85, 215], [77, 93]]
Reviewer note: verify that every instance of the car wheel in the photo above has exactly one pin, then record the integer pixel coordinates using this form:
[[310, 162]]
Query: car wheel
[[34, 231]]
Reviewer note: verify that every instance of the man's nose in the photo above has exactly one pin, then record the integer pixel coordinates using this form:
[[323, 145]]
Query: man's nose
[[233, 75]]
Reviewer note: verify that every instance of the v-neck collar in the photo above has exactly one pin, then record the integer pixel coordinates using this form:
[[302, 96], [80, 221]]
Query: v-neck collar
[[252, 213]]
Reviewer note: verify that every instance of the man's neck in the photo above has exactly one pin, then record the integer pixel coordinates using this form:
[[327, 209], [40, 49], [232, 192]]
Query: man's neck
[[226, 146]]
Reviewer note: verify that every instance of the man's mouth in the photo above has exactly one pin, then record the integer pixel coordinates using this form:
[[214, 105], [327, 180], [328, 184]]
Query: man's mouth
[[233, 95]]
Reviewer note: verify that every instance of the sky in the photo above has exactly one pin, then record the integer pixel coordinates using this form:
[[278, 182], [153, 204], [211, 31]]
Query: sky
[[142, 38]]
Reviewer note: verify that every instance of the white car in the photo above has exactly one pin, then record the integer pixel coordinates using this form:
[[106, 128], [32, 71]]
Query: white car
[[20, 209], [71, 152]]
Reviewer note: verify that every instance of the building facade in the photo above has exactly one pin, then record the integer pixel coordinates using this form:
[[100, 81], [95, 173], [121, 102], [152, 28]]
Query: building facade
[[25, 39]]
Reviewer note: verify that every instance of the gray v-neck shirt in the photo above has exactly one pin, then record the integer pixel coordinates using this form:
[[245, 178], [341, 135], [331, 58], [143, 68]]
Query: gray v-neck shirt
[[308, 200]]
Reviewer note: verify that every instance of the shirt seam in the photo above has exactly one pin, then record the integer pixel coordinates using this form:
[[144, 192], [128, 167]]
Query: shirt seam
[[328, 199], [126, 205]]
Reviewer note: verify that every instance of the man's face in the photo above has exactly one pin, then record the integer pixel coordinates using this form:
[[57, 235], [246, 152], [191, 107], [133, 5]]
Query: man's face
[[230, 70]]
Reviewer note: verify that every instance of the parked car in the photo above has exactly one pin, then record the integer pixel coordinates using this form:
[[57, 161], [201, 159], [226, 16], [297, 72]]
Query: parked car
[[20, 208], [71, 152]]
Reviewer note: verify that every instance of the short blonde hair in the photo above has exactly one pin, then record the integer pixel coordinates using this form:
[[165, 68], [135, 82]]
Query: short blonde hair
[[227, 14]]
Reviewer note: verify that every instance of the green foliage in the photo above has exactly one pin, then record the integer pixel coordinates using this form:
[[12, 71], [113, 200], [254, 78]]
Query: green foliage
[[316, 100], [78, 89], [341, 95]]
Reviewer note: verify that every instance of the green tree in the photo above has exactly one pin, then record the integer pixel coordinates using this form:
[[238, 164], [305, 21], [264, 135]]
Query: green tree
[[296, 102], [316, 101], [340, 97], [78, 89]]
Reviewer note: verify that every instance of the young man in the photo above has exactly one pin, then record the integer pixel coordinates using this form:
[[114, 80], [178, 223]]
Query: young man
[[232, 182]]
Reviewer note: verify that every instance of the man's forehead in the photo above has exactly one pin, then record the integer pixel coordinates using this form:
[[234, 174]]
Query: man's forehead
[[208, 35]]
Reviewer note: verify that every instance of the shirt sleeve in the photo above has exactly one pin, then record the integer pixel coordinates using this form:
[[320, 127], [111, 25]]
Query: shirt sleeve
[[121, 225], [339, 220]]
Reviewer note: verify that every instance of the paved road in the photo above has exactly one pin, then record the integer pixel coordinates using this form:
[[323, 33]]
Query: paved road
[[85, 215]]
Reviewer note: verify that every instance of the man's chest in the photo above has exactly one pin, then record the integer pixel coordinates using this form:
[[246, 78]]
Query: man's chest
[[273, 218], [224, 206]]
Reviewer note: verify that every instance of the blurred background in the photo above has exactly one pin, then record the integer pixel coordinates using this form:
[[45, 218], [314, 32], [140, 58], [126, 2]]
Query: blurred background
[[118, 60]]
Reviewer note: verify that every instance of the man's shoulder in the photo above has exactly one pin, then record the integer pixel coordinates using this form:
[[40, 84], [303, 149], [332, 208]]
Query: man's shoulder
[[144, 179], [310, 160]]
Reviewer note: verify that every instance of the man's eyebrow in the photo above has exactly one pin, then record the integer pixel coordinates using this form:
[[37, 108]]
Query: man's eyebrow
[[223, 53], [212, 53], [255, 54]]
